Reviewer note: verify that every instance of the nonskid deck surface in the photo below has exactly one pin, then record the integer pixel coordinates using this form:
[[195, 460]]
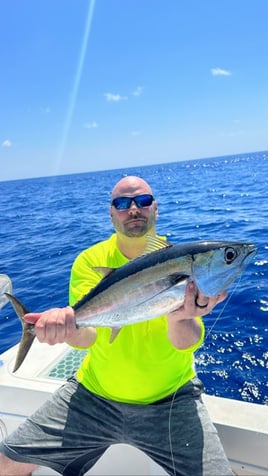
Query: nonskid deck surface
[[67, 365]]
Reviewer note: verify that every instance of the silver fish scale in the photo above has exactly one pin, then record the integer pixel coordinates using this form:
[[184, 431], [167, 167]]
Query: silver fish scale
[[153, 291]]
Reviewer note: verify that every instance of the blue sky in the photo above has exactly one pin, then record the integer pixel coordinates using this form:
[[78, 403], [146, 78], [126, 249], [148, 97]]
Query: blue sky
[[94, 85]]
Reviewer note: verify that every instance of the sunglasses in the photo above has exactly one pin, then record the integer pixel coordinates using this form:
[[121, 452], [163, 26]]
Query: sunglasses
[[124, 203]]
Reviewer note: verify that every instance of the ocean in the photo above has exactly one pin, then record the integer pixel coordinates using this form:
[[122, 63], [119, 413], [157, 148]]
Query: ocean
[[46, 222]]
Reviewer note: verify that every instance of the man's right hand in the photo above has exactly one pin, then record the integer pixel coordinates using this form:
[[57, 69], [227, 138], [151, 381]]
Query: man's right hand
[[58, 325]]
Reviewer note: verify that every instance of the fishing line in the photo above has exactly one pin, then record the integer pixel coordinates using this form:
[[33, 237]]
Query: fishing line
[[226, 302]]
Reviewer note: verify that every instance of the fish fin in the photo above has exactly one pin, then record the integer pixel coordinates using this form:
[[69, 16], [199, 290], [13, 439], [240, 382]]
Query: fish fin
[[105, 271], [28, 334], [178, 278], [154, 243], [114, 334]]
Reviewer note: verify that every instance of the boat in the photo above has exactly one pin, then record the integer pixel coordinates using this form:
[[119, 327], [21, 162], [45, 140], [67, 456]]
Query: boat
[[242, 426]]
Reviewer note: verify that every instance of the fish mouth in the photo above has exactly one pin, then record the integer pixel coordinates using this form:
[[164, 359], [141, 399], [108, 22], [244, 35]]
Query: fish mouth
[[252, 249]]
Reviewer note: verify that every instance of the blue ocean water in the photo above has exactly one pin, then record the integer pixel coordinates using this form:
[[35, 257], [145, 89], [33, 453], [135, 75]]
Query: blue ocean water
[[46, 222]]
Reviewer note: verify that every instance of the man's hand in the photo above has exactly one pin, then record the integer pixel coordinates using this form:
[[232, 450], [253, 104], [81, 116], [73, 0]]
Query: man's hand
[[54, 325], [58, 325], [195, 304], [184, 330]]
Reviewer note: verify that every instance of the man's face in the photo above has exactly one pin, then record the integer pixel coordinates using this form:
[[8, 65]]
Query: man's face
[[134, 221]]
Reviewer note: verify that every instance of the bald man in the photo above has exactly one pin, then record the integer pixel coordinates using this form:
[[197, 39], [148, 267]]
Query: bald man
[[141, 389]]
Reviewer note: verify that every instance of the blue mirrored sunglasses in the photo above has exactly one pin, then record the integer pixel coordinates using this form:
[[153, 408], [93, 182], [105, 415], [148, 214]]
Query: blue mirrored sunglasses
[[124, 203]]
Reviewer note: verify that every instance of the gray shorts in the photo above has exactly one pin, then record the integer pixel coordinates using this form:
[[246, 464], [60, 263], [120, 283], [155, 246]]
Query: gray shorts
[[71, 431]]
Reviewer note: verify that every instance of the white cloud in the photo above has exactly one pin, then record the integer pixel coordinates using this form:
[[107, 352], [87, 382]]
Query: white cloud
[[45, 110], [135, 133], [91, 125], [138, 91], [110, 97], [220, 72], [7, 143]]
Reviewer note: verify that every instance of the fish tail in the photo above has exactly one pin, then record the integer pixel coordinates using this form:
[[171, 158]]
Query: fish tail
[[28, 334]]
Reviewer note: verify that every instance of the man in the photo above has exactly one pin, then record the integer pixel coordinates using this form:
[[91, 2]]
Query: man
[[141, 389]]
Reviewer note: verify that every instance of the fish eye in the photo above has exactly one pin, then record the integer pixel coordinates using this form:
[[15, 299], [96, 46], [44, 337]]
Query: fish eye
[[229, 255]]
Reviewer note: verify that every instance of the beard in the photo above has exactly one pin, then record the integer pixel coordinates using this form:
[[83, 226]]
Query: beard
[[134, 227]]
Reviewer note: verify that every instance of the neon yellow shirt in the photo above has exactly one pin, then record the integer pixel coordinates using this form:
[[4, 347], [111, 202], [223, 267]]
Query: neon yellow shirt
[[141, 365]]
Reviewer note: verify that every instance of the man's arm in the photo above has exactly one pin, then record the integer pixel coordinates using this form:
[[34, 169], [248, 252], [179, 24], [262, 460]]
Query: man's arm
[[184, 333]]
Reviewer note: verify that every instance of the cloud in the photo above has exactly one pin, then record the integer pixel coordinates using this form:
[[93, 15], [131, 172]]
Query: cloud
[[7, 143], [91, 125], [110, 97], [138, 91], [135, 133], [220, 72], [45, 110]]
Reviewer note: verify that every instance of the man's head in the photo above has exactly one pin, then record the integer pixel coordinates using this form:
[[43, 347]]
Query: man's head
[[133, 218]]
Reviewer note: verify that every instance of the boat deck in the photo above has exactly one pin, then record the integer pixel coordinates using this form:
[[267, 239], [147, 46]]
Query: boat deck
[[242, 426]]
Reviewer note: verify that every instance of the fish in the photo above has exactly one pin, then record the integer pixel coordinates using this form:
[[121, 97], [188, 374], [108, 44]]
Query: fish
[[5, 287], [151, 285]]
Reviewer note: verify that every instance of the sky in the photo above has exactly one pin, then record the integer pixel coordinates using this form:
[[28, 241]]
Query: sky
[[90, 85]]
